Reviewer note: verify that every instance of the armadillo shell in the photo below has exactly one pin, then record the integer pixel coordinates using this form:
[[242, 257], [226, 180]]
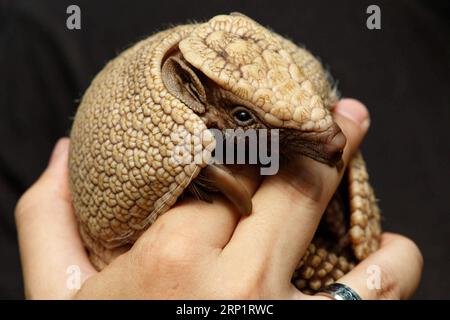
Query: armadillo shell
[[123, 175]]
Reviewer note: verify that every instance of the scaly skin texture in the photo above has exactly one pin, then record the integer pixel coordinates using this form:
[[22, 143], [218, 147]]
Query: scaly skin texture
[[122, 170]]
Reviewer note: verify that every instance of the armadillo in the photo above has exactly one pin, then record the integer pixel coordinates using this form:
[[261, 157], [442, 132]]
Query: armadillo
[[228, 72]]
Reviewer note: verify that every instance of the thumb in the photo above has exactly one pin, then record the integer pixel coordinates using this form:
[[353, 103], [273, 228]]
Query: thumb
[[54, 262]]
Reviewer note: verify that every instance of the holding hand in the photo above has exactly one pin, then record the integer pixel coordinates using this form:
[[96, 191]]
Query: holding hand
[[200, 250]]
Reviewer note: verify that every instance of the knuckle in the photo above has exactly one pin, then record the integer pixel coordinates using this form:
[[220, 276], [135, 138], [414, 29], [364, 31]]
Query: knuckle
[[392, 280], [30, 199], [244, 294], [390, 286], [244, 290], [414, 250], [165, 248], [24, 204], [252, 285], [175, 250]]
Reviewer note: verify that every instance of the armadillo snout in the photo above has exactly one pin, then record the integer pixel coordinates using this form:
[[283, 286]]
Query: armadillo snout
[[334, 148]]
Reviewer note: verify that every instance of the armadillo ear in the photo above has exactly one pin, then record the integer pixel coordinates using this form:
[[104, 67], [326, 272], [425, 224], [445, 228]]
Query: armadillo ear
[[182, 82]]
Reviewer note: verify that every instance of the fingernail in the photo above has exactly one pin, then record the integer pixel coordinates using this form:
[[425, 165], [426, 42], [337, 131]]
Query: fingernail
[[366, 124], [58, 150], [355, 111]]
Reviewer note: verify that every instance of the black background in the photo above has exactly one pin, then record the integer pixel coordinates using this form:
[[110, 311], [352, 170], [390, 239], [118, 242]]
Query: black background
[[400, 72]]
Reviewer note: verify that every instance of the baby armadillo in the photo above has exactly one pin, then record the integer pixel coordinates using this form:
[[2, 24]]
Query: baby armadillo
[[227, 73]]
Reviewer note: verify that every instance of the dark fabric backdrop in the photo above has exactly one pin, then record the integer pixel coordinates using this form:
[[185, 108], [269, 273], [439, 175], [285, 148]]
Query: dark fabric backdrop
[[401, 72]]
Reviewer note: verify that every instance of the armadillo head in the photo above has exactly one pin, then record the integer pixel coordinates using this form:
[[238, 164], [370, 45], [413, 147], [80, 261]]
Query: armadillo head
[[235, 73]]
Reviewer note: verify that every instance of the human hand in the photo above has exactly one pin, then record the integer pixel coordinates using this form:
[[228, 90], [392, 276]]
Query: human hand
[[200, 250]]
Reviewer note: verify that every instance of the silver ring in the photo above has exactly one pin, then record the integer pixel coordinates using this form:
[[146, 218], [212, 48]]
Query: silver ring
[[339, 291]]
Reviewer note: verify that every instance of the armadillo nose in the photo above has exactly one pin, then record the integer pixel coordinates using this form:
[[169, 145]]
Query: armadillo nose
[[334, 148]]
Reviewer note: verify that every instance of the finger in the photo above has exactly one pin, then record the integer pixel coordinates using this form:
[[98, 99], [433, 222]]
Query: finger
[[50, 246], [392, 272], [289, 205], [207, 224]]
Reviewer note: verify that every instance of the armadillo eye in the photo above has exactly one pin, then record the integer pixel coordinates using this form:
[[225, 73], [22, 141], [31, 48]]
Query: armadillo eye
[[242, 116]]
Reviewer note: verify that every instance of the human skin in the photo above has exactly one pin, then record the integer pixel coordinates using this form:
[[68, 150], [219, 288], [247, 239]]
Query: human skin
[[200, 250]]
